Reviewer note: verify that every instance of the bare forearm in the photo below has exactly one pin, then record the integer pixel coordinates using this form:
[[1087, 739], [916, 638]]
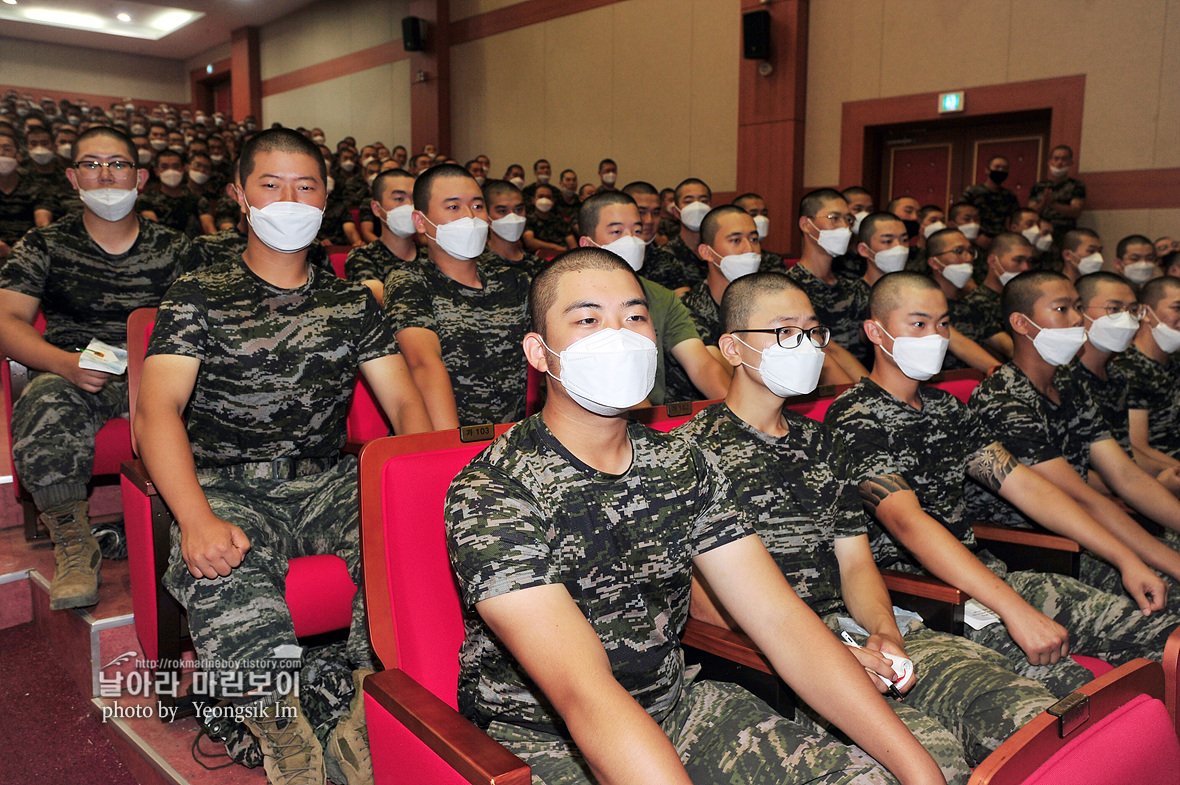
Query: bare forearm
[[23, 343], [435, 385], [846, 362], [168, 456]]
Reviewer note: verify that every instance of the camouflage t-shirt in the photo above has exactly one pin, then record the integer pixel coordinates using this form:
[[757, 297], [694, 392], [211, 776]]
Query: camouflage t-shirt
[[223, 210], [995, 207], [675, 265], [336, 214], [928, 447], [529, 264], [705, 313], [84, 291], [1156, 389], [1060, 192], [1110, 394], [772, 263], [842, 307], [278, 366], [526, 513], [480, 331], [56, 193], [181, 213], [18, 207], [1034, 430], [978, 314], [548, 228], [374, 262], [794, 491], [229, 244], [672, 324]]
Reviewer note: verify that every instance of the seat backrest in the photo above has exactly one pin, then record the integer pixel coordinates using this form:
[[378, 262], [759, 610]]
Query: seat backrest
[[534, 397], [1128, 738], [415, 615], [337, 260], [366, 420], [673, 415], [139, 333], [959, 383]]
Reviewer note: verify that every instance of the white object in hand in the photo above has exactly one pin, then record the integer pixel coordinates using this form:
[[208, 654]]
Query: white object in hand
[[99, 356]]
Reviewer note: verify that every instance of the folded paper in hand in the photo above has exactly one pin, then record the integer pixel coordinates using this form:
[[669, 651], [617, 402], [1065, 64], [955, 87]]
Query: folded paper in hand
[[98, 356]]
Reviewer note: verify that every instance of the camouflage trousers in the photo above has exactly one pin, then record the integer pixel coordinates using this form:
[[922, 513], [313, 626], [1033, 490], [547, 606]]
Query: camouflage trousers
[[53, 429], [723, 735], [1100, 624], [242, 618]]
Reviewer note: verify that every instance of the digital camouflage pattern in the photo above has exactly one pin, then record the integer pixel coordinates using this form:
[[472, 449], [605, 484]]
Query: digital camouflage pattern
[[548, 227], [995, 207], [229, 244], [1154, 388], [1059, 192], [673, 325], [480, 331], [56, 193], [278, 366], [526, 512], [1109, 394], [223, 210], [179, 213], [705, 313], [842, 307], [374, 262], [530, 264], [979, 315], [356, 191], [336, 215], [675, 265], [1034, 430], [17, 209], [772, 263]]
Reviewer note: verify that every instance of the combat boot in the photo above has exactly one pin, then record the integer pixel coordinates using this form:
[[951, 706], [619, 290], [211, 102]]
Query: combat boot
[[349, 742], [292, 755], [77, 560]]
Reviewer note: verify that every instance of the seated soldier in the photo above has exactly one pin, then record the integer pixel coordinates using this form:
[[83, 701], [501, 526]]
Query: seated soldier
[[608, 175], [965, 218], [459, 322], [1081, 253], [544, 233], [515, 175], [839, 303], [611, 222], [1165, 245], [337, 226], [1152, 373], [1028, 223], [1112, 315], [47, 173], [815, 529], [86, 273], [677, 265], [1056, 428], [860, 205], [1135, 259], [647, 199], [911, 449], [755, 205], [586, 191], [669, 225], [20, 199], [566, 203], [505, 206], [980, 317], [542, 171], [392, 202], [170, 202], [254, 481], [574, 537]]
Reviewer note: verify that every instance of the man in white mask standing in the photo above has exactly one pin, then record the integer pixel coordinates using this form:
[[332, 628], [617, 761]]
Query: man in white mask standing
[[459, 322], [240, 421], [574, 538], [86, 273], [1060, 199]]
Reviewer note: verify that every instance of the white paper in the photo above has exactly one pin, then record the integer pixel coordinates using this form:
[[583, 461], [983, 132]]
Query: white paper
[[98, 356], [977, 616]]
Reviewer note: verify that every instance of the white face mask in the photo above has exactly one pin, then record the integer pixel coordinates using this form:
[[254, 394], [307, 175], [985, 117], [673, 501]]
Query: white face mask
[[608, 372], [543, 205], [892, 260], [368, 159], [517, 181], [1113, 332], [158, 144], [200, 178], [318, 139], [371, 178], [110, 204], [609, 178], [176, 148], [789, 372], [762, 224], [481, 180], [1058, 172], [41, 155], [1058, 345], [543, 179], [171, 178], [285, 226], [64, 150], [918, 358], [1044, 242], [692, 214], [1166, 338], [216, 158], [937, 226], [833, 241], [630, 248], [970, 231], [958, 274], [510, 227], [400, 220], [7, 164], [1139, 273], [858, 219], [735, 266], [330, 184], [1090, 264], [145, 157], [464, 238], [348, 166], [1032, 234]]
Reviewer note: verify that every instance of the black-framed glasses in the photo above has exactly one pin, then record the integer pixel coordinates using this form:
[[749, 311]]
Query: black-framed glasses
[[792, 337], [91, 169]]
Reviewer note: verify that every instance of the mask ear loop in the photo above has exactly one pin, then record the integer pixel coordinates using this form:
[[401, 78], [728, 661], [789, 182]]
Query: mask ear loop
[[751, 348]]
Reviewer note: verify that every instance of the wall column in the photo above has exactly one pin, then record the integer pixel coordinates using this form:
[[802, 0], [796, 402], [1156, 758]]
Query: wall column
[[430, 79], [245, 74], [771, 114]]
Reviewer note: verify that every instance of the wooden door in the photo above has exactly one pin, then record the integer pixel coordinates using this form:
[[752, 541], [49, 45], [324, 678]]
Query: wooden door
[[920, 171]]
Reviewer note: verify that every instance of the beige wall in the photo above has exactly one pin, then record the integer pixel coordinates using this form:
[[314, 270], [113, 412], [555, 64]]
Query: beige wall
[[208, 57], [1129, 51], [52, 67], [650, 83], [462, 9], [327, 30]]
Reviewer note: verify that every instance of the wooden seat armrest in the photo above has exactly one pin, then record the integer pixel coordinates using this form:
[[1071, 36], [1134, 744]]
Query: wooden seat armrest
[[473, 754], [137, 473], [730, 645], [1026, 537], [1171, 664], [923, 586]]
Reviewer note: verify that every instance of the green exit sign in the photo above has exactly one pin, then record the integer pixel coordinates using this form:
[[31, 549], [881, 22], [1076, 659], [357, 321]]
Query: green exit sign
[[950, 102]]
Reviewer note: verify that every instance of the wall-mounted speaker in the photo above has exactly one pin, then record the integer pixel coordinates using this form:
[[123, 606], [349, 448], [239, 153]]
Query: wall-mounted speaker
[[414, 33], [756, 35]]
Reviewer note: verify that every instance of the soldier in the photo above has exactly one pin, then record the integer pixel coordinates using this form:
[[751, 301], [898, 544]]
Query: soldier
[[1053, 426], [647, 200], [20, 200], [505, 205], [980, 317], [392, 202], [574, 537], [458, 322], [611, 221], [1059, 199], [608, 175], [255, 464], [544, 233], [1081, 253], [542, 171], [677, 265], [994, 201], [86, 274], [815, 529], [170, 202], [912, 447], [48, 176], [1135, 259], [755, 205]]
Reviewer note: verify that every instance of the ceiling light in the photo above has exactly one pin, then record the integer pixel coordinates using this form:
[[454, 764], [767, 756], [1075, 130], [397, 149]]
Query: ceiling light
[[123, 17], [171, 20], [64, 18], [10, 2]]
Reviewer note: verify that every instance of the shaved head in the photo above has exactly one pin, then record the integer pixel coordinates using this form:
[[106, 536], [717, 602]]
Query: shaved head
[[889, 293], [1004, 243], [741, 297], [1022, 292]]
